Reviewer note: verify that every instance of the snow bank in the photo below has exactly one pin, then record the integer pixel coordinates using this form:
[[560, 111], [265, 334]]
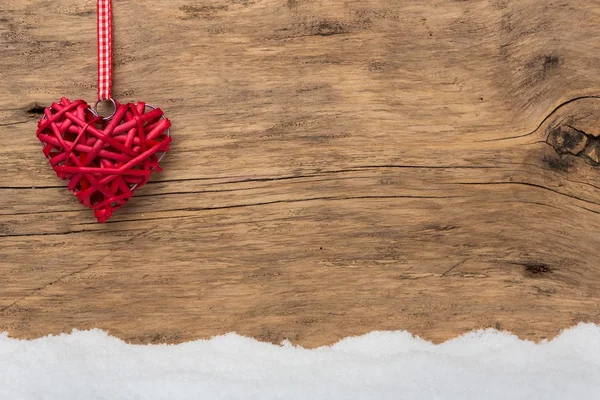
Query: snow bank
[[381, 365]]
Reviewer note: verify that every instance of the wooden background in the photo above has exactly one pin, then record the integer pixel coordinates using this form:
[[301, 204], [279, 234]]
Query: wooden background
[[338, 167]]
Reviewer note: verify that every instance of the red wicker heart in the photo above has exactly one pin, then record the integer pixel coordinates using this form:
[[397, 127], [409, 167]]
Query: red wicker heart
[[104, 161]]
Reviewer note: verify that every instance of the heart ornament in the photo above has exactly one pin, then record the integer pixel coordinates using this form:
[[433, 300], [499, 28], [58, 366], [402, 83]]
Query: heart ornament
[[104, 159]]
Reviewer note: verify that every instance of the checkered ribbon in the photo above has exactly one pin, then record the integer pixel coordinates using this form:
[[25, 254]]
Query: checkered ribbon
[[105, 49]]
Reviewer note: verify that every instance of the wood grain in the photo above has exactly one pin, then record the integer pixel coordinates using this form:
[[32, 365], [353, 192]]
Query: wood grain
[[338, 167]]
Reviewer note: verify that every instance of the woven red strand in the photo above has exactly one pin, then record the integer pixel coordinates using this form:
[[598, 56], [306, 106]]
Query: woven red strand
[[104, 161]]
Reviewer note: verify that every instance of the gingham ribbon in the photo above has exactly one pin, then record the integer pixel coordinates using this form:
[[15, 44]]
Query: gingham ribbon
[[105, 49]]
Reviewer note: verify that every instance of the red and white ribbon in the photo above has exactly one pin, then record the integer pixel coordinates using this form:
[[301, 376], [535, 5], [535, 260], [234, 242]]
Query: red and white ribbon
[[105, 49]]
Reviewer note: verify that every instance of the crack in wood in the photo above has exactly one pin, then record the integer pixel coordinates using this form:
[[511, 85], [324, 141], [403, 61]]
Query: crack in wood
[[454, 267], [16, 123], [77, 272], [546, 118], [531, 185], [41, 288], [233, 206], [232, 180]]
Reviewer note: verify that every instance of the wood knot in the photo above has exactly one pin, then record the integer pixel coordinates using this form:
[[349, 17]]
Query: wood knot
[[537, 269], [36, 109], [572, 129], [566, 139], [534, 268]]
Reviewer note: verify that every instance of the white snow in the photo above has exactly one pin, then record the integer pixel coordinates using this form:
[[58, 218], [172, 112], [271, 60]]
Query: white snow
[[380, 365]]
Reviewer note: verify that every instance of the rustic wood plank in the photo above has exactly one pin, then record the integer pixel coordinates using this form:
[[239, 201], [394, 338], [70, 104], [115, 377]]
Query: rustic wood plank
[[338, 167]]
